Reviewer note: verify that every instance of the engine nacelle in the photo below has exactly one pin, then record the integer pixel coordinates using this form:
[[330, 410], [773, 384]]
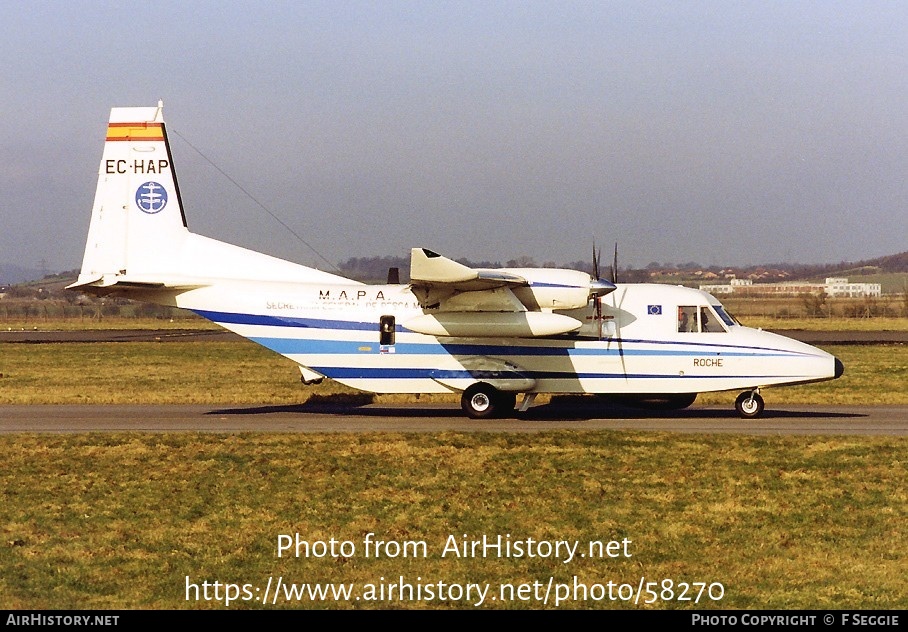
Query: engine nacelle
[[493, 324], [552, 288]]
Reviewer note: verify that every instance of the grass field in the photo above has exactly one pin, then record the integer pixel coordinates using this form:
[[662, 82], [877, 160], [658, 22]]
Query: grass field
[[117, 323], [244, 373], [127, 520]]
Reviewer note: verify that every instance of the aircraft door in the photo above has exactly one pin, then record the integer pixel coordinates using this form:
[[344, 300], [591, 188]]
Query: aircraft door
[[386, 331]]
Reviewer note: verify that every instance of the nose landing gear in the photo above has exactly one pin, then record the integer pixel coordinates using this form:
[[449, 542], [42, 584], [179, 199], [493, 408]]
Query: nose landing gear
[[749, 404]]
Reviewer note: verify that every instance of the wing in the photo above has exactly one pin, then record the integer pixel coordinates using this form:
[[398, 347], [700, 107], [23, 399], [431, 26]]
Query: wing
[[435, 279], [463, 301]]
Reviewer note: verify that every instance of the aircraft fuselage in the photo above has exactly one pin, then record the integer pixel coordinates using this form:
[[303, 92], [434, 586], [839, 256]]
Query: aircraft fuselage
[[336, 331]]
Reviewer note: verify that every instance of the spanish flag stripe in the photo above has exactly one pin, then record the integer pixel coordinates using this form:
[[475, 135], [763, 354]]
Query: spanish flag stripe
[[135, 131]]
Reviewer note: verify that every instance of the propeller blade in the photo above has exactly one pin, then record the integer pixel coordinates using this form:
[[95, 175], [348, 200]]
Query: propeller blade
[[598, 302], [596, 254], [615, 265]]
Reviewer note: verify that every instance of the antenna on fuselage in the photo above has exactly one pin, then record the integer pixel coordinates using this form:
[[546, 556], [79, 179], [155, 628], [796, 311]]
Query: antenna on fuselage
[[394, 276]]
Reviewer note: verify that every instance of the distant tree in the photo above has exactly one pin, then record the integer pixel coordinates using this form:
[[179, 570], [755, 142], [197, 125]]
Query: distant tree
[[815, 304], [583, 266], [521, 262], [374, 269]]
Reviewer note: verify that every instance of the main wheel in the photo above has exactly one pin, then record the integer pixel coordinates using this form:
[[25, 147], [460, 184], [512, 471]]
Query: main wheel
[[481, 401], [749, 405]]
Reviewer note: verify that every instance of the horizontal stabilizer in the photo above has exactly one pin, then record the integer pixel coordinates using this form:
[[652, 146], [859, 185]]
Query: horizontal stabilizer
[[108, 284]]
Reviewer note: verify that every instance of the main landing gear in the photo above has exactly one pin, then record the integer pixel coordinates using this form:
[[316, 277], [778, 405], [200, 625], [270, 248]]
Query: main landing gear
[[749, 404], [484, 401]]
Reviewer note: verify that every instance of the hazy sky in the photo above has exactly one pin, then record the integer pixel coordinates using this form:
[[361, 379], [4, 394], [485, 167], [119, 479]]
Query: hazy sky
[[719, 132]]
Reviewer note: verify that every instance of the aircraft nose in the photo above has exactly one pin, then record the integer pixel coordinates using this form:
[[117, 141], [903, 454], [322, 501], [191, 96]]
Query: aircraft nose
[[839, 368]]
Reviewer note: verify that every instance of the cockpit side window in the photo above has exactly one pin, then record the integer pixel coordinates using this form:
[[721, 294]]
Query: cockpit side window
[[699, 319], [708, 321], [687, 319], [705, 322]]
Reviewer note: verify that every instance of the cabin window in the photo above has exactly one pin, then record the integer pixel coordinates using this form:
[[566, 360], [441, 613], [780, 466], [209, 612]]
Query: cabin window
[[386, 329]]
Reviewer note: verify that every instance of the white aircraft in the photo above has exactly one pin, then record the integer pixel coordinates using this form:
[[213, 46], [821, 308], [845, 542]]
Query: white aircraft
[[489, 334]]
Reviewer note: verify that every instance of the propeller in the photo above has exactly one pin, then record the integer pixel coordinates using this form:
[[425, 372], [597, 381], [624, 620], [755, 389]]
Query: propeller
[[599, 287], [597, 298]]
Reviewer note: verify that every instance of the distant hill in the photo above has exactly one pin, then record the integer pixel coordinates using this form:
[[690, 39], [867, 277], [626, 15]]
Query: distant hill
[[375, 270], [887, 264], [11, 274], [893, 263]]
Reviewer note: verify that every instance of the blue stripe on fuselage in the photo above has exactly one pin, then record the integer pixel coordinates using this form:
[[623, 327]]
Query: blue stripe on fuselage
[[397, 373], [559, 345], [284, 321], [286, 346]]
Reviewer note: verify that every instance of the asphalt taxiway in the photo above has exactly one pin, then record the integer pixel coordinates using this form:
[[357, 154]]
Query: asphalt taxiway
[[784, 420]]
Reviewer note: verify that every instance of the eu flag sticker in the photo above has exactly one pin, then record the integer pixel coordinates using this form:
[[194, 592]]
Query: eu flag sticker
[[654, 310]]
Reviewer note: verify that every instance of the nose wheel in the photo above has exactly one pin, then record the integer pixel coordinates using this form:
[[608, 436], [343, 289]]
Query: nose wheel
[[749, 404]]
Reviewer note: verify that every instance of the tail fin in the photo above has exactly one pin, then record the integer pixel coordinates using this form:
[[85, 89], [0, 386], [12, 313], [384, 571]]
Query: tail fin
[[137, 216], [138, 235]]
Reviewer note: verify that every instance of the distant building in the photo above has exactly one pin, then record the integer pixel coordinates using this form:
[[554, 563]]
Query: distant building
[[841, 287], [833, 287]]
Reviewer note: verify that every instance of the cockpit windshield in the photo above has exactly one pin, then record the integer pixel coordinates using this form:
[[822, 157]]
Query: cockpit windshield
[[727, 318]]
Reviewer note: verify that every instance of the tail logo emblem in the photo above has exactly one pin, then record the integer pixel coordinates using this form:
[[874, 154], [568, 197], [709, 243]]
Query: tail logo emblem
[[151, 198]]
